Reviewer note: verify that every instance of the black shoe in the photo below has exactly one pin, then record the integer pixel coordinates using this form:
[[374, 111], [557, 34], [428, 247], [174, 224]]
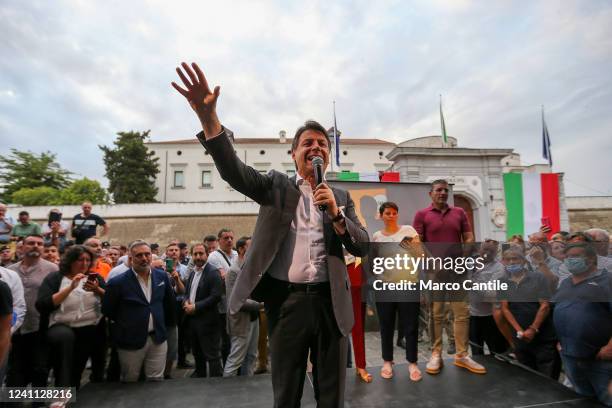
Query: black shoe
[[195, 374], [260, 370], [401, 343], [451, 349], [167, 376], [185, 364]]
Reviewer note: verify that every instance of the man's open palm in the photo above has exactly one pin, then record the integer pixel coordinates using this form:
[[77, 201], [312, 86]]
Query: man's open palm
[[198, 93]]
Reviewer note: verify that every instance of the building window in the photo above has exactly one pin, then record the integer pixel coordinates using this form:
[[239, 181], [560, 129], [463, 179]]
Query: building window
[[262, 171], [206, 178], [290, 173], [345, 153], [262, 152], [179, 153], [179, 179]]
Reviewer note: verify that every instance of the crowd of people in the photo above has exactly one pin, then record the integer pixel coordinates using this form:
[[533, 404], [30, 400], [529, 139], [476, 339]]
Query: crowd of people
[[137, 311]]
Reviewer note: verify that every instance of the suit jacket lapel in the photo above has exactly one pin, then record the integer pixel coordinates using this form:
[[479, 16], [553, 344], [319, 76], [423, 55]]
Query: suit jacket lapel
[[292, 198], [328, 226], [133, 280]]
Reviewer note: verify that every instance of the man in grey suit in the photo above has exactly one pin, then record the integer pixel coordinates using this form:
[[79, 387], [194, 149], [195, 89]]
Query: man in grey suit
[[242, 327], [295, 264]]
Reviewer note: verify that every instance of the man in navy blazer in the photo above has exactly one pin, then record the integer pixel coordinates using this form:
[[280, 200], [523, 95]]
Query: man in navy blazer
[[203, 294], [137, 302]]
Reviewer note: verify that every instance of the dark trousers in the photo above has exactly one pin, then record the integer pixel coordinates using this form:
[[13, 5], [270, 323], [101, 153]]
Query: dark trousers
[[98, 353], [113, 371], [540, 356], [205, 341], [226, 343], [484, 330], [184, 338], [409, 317], [298, 324], [69, 350], [27, 361]]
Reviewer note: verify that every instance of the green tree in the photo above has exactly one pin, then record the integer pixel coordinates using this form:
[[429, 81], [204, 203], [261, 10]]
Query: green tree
[[36, 196], [131, 168], [84, 190], [28, 170], [77, 192]]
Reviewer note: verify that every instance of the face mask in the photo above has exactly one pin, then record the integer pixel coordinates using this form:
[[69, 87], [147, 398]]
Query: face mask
[[514, 269], [576, 265]]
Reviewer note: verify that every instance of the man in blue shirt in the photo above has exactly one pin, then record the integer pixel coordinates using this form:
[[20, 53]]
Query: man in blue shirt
[[583, 321]]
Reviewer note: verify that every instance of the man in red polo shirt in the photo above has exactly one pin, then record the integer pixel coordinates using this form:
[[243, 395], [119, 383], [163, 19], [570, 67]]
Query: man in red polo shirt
[[447, 227]]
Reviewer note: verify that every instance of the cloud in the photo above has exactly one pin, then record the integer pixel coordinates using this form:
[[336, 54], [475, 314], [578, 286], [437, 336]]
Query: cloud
[[77, 72]]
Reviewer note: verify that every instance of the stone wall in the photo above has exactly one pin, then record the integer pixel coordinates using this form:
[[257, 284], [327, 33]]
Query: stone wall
[[188, 229], [590, 212], [581, 220]]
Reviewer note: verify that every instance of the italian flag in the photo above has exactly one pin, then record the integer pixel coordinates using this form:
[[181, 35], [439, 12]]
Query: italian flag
[[529, 198]]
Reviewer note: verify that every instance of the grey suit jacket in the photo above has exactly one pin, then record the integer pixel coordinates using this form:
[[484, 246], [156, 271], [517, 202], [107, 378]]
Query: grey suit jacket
[[238, 323], [278, 198]]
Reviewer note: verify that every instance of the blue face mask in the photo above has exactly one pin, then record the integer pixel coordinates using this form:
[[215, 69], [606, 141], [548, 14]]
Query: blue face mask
[[514, 269], [576, 265]]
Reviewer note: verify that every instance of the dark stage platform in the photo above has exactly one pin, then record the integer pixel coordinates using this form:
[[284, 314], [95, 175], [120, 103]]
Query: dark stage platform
[[505, 385]]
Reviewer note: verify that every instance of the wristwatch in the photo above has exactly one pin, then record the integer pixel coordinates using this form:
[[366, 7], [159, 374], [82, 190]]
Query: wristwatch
[[338, 217], [519, 334]]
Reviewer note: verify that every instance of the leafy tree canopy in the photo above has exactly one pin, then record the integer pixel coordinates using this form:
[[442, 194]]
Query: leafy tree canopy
[[131, 168]]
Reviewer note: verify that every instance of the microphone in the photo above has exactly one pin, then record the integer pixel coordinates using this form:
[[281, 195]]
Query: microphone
[[317, 164]]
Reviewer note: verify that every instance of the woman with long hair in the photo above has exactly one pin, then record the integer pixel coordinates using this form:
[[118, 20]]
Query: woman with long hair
[[69, 302]]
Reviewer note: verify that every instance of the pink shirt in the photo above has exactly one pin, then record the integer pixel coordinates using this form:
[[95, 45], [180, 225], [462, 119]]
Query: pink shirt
[[441, 226]]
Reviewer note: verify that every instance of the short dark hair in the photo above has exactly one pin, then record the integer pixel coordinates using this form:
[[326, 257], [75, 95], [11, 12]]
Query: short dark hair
[[589, 250], [182, 245], [581, 235], [153, 247], [198, 244], [242, 241], [72, 255], [24, 213], [223, 231], [387, 204], [437, 181], [49, 244], [210, 238], [309, 125]]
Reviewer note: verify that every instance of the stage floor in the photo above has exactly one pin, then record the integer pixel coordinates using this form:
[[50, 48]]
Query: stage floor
[[505, 385]]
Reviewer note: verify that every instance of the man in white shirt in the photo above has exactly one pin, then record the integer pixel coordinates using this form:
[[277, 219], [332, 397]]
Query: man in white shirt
[[222, 259], [13, 281], [203, 294]]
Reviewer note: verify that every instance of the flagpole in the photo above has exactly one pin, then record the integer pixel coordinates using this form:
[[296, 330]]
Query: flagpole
[[334, 151]]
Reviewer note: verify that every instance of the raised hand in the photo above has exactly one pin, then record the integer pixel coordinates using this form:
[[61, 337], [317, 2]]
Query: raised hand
[[200, 97]]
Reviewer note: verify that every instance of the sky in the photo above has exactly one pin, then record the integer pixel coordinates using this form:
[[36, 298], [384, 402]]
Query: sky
[[76, 72]]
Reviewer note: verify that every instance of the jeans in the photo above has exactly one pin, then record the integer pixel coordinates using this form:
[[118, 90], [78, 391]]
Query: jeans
[[590, 378]]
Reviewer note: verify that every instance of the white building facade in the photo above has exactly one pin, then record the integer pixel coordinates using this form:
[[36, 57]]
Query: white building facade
[[188, 173]]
